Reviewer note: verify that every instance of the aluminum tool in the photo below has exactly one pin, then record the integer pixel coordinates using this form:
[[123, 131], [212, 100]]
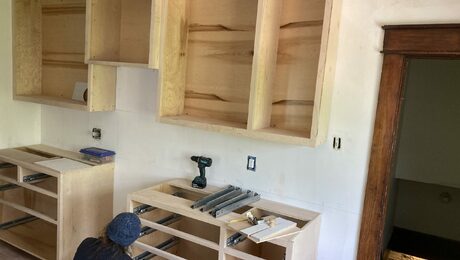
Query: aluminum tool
[[211, 204], [201, 202]]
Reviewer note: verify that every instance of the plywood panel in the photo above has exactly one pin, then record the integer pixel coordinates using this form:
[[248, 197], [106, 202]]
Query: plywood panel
[[135, 30], [105, 29], [27, 47], [173, 59], [221, 48]]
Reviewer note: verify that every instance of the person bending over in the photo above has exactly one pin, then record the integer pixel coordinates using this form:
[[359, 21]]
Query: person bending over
[[114, 241]]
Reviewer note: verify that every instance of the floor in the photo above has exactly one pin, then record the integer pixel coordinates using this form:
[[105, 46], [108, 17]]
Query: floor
[[12, 253]]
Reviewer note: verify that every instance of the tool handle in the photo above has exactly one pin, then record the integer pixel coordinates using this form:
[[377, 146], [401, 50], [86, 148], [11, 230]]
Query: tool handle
[[202, 171]]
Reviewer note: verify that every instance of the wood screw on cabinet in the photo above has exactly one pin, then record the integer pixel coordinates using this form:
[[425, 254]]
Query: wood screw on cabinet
[[64, 208], [262, 69], [193, 234]]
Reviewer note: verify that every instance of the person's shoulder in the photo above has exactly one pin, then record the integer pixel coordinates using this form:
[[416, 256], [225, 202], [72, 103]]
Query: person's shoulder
[[90, 240]]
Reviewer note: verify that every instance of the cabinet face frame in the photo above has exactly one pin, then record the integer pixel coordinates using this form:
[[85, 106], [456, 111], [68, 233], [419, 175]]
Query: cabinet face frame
[[252, 117]]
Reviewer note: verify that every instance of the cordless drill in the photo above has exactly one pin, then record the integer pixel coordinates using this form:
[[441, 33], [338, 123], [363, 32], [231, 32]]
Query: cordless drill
[[203, 162]]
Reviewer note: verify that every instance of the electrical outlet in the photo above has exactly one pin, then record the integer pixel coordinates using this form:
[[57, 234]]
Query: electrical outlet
[[251, 166], [96, 133]]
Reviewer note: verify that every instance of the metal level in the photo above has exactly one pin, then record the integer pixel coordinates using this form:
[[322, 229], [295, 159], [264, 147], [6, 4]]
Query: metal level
[[211, 204], [8, 186], [163, 246], [6, 165], [35, 177], [203, 201], [234, 206], [143, 209], [17, 222]]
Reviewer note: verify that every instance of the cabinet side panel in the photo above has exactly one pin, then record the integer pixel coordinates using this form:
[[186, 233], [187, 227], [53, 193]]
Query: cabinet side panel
[[264, 65], [102, 88], [87, 206], [135, 31], [305, 245], [104, 30], [27, 47], [326, 70], [157, 10], [173, 58]]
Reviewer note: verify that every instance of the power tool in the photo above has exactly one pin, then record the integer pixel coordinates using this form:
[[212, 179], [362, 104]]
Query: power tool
[[203, 162]]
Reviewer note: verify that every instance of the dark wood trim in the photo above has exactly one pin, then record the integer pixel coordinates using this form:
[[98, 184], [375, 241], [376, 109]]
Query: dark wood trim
[[400, 43]]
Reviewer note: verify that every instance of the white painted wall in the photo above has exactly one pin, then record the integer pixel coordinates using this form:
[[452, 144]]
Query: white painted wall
[[19, 122], [320, 179]]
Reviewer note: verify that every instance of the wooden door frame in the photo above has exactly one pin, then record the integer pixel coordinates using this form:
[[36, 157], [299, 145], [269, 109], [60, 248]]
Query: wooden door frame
[[401, 42]]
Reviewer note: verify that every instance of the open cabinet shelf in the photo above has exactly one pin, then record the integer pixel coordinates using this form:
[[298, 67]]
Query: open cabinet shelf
[[257, 68], [49, 57], [198, 235], [42, 200], [122, 33]]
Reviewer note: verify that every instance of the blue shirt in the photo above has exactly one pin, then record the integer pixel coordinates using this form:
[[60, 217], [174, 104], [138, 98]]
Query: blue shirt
[[92, 249]]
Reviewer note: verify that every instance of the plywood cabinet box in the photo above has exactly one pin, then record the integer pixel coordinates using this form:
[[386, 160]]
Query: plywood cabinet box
[[256, 68], [198, 235], [123, 33], [61, 43], [68, 205], [49, 56]]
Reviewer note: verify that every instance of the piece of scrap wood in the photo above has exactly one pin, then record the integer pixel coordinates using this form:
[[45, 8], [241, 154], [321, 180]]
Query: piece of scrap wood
[[280, 227], [254, 229]]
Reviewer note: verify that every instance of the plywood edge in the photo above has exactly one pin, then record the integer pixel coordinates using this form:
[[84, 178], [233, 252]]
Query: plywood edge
[[173, 48], [155, 33], [102, 82], [52, 101], [264, 63], [88, 26], [326, 71], [118, 63], [237, 129]]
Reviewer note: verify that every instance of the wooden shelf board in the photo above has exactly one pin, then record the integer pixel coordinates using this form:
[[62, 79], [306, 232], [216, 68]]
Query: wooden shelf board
[[157, 251], [22, 238], [53, 101], [240, 254], [205, 123], [29, 211], [180, 234], [270, 134], [30, 187], [119, 63]]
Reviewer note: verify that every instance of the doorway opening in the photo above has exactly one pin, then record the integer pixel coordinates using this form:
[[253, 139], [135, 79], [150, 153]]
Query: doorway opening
[[401, 185]]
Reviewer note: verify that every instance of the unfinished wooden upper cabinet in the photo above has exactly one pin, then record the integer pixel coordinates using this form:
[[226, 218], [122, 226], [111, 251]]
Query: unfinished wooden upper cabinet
[[122, 33], [49, 57], [257, 68]]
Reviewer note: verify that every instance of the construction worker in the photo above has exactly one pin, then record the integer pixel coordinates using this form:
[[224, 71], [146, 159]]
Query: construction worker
[[114, 242]]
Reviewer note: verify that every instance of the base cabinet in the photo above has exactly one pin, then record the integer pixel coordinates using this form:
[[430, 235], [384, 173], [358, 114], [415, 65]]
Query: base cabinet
[[179, 232], [47, 212]]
